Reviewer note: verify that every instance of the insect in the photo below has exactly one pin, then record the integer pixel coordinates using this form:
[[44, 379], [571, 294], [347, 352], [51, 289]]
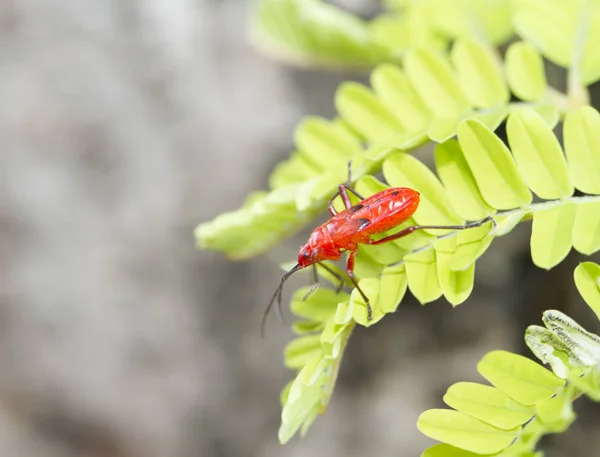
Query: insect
[[356, 225]]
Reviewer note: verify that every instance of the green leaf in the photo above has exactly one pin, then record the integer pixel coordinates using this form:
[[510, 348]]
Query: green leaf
[[550, 25], [551, 235], [458, 180], [445, 450], [582, 147], [392, 288], [555, 413], [538, 155], [435, 83], [319, 306], [444, 128], [587, 280], [487, 404], [494, 169], [326, 143], [303, 327], [487, 20], [301, 350], [548, 347], [314, 33], [456, 285], [504, 224], [470, 245], [365, 113], [404, 170], [586, 228], [466, 432], [395, 91], [371, 288], [525, 71], [480, 76], [294, 414], [294, 170], [421, 271], [522, 379], [583, 346], [332, 339]]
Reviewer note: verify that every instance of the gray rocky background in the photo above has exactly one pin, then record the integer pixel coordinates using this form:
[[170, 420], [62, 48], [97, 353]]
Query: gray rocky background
[[122, 125]]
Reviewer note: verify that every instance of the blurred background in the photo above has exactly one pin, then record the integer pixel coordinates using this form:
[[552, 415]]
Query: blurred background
[[124, 124]]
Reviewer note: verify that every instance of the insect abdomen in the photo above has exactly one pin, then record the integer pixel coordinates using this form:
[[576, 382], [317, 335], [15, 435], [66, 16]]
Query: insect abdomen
[[388, 209]]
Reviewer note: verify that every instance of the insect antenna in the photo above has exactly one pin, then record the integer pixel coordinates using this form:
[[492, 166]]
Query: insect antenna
[[277, 296], [315, 285]]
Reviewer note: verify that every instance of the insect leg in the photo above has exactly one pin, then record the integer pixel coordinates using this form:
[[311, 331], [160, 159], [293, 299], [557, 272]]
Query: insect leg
[[414, 228], [350, 271], [315, 285], [335, 275], [343, 192]]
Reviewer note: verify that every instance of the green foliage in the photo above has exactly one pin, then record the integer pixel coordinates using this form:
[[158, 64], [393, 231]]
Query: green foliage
[[437, 79], [481, 176], [405, 108], [525, 401], [310, 32], [318, 34]]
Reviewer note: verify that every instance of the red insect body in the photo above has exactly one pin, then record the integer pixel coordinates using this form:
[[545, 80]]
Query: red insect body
[[355, 225]]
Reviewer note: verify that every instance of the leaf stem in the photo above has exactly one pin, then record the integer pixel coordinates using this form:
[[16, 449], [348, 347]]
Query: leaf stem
[[530, 209]]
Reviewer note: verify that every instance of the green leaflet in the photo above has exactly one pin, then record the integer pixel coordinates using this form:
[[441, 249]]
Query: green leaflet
[[392, 288], [412, 28], [328, 145], [435, 83], [582, 147], [486, 20], [459, 183], [555, 413], [518, 377], [395, 90], [320, 306], [587, 280], [494, 169], [446, 450], [551, 25], [555, 26], [487, 404], [525, 71], [548, 347], [444, 128], [479, 74], [466, 432], [583, 346], [294, 170], [504, 224], [551, 235], [403, 170], [371, 287], [311, 32], [470, 245], [456, 285], [586, 228], [365, 113], [301, 350], [422, 274], [539, 155], [295, 413]]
